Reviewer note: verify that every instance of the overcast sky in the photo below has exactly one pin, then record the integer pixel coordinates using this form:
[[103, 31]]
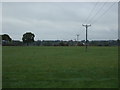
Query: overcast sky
[[60, 20]]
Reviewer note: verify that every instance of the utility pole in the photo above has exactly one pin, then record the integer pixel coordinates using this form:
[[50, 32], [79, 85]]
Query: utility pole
[[86, 26], [77, 39]]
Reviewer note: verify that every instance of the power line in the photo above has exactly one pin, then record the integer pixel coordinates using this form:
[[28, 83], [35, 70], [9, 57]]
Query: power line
[[97, 12], [91, 12], [105, 12]]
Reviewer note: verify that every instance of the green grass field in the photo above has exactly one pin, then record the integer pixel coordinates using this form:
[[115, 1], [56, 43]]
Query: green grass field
[[60, 67]]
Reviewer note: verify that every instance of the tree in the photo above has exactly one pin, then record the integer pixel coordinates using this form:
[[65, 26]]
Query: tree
[[6, 37], [118, 41], [28, 37]]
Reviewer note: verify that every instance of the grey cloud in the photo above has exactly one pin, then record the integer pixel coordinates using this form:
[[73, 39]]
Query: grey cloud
[[57, 20]]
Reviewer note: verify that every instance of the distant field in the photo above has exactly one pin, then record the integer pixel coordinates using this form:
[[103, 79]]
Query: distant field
[[60, 67]]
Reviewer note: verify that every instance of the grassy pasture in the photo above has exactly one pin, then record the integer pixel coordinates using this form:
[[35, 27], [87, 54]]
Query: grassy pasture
[[60, 67]]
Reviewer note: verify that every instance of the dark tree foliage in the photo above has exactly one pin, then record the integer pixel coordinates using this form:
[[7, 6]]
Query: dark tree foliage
[[118, 41], [6, 37], [28, 37]]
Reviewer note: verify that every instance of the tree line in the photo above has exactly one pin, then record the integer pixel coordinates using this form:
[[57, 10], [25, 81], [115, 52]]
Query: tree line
[[28, 39]]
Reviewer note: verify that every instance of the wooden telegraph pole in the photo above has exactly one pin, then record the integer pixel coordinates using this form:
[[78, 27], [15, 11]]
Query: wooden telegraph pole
[[86, 26]]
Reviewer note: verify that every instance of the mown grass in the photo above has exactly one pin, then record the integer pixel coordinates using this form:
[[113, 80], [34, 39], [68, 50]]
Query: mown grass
[[60, 67]]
